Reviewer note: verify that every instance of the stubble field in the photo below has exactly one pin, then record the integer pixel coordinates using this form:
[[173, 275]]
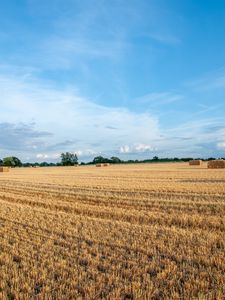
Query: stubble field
[[153, 231]]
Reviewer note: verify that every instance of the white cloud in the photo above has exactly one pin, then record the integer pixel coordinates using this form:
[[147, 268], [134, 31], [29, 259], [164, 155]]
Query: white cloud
[[221, 146], [143, 148], [69, 117], [86, 153], [62, 120], [125, 149], [137, 148], [42, 156]]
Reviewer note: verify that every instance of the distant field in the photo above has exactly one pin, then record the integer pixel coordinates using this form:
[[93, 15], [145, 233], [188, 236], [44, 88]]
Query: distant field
[[153, 231]]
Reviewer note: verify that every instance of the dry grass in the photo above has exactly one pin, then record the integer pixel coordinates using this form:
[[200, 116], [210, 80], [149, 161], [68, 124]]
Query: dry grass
[[124, 232]]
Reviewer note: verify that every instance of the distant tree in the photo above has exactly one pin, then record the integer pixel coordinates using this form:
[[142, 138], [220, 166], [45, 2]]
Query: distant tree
[[186, 159], [211, 158], [69, 159], [115, 160], [98, 159], [44, 164], [1, 162], [51, 165], [155, 158], [12, 161], [101, 160], [27, 165]]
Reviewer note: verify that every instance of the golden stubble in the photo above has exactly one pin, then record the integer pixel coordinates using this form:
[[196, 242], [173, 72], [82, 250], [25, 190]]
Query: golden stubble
[[146, 231]]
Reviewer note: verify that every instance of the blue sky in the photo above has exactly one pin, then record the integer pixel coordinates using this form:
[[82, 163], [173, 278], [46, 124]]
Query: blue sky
[[132, 78]]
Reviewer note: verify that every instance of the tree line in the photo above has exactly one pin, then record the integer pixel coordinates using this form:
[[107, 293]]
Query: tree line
[[71, 159]]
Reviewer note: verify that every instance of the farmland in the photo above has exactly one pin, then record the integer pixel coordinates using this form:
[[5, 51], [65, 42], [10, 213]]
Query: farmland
[[151, 231]]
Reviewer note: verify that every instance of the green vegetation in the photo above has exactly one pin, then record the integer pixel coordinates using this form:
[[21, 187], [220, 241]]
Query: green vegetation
[[11, 161], [71, 159]]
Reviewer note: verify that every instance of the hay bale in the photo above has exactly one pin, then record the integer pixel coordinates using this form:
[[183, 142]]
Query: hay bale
[[216, 164], [102, 165], [99, 165], [196, 162], [4, 169]]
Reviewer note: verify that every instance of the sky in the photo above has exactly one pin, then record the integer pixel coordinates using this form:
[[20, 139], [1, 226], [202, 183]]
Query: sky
[[126, 78]]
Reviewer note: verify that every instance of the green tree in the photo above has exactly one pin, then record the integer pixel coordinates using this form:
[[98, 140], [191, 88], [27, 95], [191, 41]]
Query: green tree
[[44, 164], [155, 158], [115, 160], [101, 160], [12, 161], [1, 162], [69, 159]]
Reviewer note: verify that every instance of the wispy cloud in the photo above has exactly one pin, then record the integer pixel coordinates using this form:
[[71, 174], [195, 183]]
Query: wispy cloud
[[77, 32], [165, 38], [84, 47], [209, 81], [160, 98]]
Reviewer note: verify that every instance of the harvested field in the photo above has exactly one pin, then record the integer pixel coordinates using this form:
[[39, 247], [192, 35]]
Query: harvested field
[[153, 231]]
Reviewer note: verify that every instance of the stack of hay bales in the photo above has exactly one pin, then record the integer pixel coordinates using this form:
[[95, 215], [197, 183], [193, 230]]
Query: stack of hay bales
[[99, 165], [196, 162], [4, 169], [216, 164], [102, 165]]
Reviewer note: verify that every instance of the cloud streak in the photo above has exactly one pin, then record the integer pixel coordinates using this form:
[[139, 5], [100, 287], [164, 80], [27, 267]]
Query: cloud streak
[[211, 81]]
